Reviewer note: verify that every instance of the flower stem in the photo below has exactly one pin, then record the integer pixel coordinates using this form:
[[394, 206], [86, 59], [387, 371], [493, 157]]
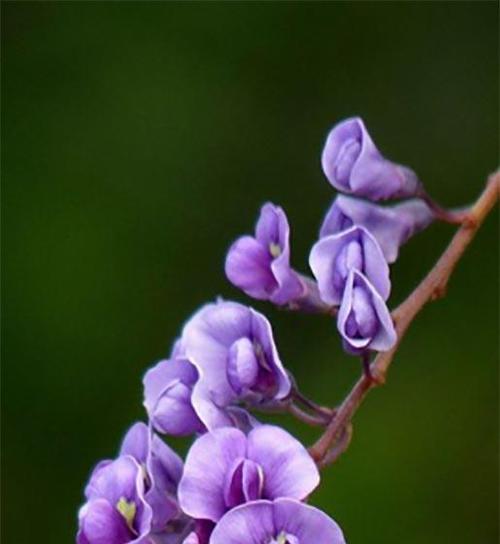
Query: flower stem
[[431, 287]]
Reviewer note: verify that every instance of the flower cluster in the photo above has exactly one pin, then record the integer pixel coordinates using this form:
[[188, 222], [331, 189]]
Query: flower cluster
[[357, 242], [244, 482]]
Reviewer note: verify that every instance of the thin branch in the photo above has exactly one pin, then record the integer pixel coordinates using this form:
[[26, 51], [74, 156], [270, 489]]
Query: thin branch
[[433, 286], [306, 417], [338, 447], [322, 411]]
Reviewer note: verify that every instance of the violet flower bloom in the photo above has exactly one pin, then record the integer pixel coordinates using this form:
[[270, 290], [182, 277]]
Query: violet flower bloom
[[225, 468], [353, 164], [260, 265], [392, 226], [167, 397], [233, 349], [332, 257], [364, 321], [132, 499], [284, 521]]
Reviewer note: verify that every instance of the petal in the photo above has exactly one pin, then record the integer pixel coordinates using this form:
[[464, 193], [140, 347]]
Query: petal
[[392, 226], [114, 480], [375, 266], [158, 378], [306, 523], [263, 334], [136, 442], [289, 471], [101, 523], [345, 315], [251, 523], [211, 415], [272, 225], [242, 366], [167, 394], [385, 336], [207, 337], [248, 267], [347, 132], [201, 490], [289, 287]]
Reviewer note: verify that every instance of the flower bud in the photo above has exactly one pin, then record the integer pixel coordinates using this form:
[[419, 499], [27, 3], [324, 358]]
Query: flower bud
[[353, 164], [333, 257]]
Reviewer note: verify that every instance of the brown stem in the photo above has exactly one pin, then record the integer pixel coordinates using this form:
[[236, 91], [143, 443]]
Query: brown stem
[[306, 417], [322, 411], [338, 447], [431, 287]]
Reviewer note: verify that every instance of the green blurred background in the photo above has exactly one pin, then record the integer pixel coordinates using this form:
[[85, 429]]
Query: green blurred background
[[139, 139]]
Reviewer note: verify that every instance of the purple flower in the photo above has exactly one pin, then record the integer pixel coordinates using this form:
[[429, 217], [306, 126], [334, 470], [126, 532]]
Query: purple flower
[[332, 258], [284, 521], [167, 393], [364, 321], [260, 264], [225, 468], [115, 511], [233, 349], [133, 497], [391, 226], [353, 164]]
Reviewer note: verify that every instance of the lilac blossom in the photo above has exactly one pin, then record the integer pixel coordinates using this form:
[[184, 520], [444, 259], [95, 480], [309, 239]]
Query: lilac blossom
[[283, 521], [225, 468], [167, 397], [133, 498], [364, 321], [332, 257], [233, 349], [353, 164], [392, 226], [260, 264]]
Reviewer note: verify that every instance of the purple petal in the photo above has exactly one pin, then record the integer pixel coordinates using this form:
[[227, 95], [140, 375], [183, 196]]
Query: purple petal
[[212, 415], [101, 523], [248, 267], [136, 442], [263, 335], [167, 393], [306, 523], [392, 226], [243, 367], [364, 321], [264, 522], [251, 523], [272, 226], [113, 480], [289, 470], [209, 461], [207, 337]]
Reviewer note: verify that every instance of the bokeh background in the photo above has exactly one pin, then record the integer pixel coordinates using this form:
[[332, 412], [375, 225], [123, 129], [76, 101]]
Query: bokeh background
[[139, 139]]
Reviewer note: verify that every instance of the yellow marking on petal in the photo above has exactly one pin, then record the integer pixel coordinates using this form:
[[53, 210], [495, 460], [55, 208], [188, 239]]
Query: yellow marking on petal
[[274, 250], [128, 511], [281, 539]]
